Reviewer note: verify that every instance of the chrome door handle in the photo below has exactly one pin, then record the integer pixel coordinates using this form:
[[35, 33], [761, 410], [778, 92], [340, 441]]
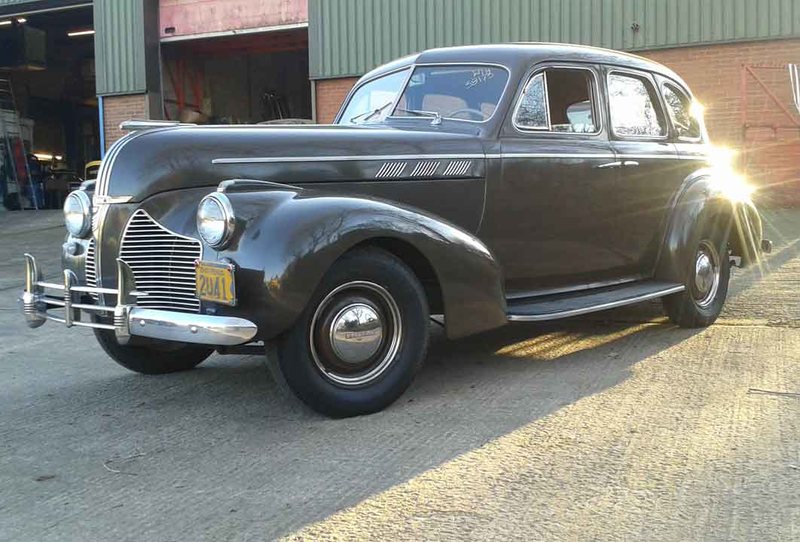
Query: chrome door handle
[[609, 165], [630, 163]]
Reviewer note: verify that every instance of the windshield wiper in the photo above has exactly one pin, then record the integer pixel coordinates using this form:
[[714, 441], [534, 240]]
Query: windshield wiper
[[437, 118], [369, 114]]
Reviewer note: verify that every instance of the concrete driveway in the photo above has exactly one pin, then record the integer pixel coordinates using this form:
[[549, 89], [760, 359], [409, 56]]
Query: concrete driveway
[[614, 427]]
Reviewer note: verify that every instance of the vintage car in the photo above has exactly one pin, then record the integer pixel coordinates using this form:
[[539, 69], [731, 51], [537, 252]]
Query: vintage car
[[485, 184]]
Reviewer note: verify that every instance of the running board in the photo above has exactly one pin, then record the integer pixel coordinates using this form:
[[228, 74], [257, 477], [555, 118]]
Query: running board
[[553, 307]]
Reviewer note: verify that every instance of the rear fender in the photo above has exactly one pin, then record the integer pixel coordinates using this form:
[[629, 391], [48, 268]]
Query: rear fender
[[703, 202], [287, 238]]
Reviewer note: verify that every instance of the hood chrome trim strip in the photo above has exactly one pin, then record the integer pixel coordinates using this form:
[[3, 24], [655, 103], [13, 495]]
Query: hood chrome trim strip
[[371, 158], [395, 157]]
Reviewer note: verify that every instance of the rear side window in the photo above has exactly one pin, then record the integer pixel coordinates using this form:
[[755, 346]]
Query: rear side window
[[558, 100], [679, 105], [634, 107]]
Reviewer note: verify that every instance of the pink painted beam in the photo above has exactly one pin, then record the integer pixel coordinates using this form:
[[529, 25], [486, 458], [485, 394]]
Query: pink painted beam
[[188, 17]]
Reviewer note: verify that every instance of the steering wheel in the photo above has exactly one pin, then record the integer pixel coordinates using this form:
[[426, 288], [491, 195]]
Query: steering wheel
[[467, 110]]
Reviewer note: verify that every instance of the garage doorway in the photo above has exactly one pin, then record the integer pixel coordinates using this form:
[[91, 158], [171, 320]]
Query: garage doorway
[[47, 58], [245, 79]]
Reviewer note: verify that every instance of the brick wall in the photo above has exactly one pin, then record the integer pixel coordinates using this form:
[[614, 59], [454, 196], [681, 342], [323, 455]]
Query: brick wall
[[772, 156], [330, 95], [117, 109], [714, 75]]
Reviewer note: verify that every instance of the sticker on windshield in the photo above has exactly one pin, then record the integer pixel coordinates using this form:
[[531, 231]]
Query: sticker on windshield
[[479, 76]]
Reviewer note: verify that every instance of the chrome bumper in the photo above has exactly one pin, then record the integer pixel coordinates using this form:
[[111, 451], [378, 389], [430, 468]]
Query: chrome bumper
[[127, 317]]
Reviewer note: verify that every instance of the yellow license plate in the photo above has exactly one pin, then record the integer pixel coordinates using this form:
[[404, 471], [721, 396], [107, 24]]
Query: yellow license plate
[[215, 282]]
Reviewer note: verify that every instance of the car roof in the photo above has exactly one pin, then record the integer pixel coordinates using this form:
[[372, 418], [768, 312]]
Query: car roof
[[520, 56]]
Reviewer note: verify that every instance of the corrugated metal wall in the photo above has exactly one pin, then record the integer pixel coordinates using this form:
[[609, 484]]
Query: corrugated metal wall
[[119, 46], [349, 37]]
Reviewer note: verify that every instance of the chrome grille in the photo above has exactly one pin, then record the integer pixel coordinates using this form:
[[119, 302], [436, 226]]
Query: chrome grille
[[162, 263], [90, 268]]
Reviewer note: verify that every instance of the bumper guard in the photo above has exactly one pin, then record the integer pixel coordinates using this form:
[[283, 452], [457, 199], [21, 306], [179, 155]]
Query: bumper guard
[[128, 319]]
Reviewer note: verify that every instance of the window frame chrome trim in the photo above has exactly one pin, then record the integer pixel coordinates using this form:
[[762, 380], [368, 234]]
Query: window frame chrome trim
[[611, 70], [597, 105]]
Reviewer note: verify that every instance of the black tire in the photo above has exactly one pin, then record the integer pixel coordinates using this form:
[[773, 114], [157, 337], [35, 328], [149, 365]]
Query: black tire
[[307, 354], [691, 308], [152, 357]]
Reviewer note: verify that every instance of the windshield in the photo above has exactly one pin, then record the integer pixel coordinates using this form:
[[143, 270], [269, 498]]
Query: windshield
[[453, 92], [466, 92]]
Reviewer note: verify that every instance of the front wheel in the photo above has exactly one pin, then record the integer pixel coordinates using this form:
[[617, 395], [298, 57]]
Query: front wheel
[[362, 338], [708, 275], [152, 357]]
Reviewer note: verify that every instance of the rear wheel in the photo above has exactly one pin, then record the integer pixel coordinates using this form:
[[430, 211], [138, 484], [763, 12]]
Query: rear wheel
[[708, 275], [152, 357], [362, 338]]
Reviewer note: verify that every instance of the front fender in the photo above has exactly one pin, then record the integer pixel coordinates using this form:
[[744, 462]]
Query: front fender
[[703, 200], [287, 238]]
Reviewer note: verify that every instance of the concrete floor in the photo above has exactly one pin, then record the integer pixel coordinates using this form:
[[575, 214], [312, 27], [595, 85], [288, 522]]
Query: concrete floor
[[614, 427]]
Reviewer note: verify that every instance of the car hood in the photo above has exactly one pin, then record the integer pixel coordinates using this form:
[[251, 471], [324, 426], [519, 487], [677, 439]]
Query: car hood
[[157, 160]]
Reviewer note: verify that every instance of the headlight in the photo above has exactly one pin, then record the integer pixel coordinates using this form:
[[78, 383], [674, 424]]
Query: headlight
[[215, 221], [78, 213]]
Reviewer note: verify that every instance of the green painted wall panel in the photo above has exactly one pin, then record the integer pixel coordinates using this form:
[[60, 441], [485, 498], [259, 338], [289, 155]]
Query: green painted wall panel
[[119, 46], [350, 37]]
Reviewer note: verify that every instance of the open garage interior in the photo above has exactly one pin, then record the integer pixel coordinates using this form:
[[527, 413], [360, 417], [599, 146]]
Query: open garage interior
[[47, 71], [252, 78]]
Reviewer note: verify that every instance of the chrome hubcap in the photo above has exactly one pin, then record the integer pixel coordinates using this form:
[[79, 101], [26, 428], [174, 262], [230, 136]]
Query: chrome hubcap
[[355, 333], [706, 274]]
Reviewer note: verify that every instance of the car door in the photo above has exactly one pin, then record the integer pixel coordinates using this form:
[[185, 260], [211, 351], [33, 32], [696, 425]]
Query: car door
[[550, 206], [648, 169]]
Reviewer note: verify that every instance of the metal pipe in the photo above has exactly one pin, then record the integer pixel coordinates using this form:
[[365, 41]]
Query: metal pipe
[[101, 112]]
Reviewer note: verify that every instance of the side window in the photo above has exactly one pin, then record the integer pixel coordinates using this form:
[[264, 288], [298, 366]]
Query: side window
[[633, 105], [558, 100], [680, 109], [532, 109]]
